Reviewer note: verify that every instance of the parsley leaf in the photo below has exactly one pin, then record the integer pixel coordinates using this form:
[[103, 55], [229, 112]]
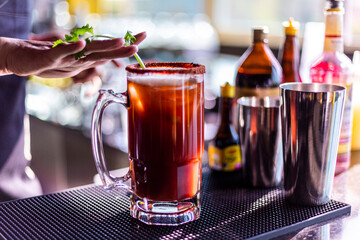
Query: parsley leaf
[[82, 30], [80, 54], [57, 42], [129, 39], [77, 32]]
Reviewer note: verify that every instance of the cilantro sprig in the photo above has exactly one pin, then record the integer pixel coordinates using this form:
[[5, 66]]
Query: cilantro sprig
[[129, 39], [77, 32]]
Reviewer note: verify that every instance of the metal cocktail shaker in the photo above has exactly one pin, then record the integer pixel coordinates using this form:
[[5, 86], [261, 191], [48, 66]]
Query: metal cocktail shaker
[[260, 141], [311, 120]]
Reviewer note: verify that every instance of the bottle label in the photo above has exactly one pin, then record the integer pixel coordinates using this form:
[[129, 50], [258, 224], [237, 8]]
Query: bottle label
[[334, 43], [334, 23], [334, 32], [227, 159], [257, 92]]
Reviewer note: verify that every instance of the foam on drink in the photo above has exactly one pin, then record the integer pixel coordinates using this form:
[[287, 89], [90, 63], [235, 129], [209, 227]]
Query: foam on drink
[[164, 80]]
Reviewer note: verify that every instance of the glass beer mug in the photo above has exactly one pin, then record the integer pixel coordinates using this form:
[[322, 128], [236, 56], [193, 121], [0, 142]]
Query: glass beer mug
[[165, 104]]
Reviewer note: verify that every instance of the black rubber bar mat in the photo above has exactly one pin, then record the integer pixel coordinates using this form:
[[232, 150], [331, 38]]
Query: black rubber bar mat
[[229, 211]]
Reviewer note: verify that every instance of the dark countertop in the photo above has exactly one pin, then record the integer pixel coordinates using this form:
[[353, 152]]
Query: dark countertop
[[92, 212]]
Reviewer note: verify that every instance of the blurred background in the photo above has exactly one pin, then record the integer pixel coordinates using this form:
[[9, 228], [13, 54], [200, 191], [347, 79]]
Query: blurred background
[[211, 32]]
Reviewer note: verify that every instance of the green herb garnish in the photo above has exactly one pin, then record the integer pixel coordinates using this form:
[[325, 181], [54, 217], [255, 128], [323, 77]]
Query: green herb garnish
[[75, 35], [129, 39], [77, 32]]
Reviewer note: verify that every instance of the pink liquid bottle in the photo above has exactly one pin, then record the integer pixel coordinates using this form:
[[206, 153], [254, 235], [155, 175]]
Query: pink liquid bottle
[[334, 67]]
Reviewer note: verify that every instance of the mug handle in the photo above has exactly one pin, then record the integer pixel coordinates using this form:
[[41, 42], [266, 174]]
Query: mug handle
[[106, 97]]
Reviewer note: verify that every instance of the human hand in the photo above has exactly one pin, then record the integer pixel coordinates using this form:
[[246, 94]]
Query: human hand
[[51, 36], [92, 75], [31, 57]]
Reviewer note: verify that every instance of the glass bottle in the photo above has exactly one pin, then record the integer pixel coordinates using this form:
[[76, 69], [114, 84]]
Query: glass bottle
[[334, 67], [289, 55], [258, 72], [224, 149], [355, 138]]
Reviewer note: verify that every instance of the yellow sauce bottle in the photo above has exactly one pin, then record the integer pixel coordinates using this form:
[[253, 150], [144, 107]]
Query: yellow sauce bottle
[[224, 149]]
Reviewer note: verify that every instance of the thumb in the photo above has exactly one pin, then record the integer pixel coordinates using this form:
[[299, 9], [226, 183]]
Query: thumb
[[66, 49]]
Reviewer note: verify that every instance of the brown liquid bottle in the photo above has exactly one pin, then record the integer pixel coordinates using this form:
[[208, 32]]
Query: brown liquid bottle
[[289, 55], [224, 149], [258, 72]]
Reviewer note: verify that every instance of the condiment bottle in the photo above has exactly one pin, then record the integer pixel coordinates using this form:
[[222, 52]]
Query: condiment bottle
[[258, 72], [289, 55], [334, 67], [224, 149]]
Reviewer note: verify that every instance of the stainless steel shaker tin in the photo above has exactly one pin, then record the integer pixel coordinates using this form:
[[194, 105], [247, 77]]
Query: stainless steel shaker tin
[[260, 140], [311, 119]]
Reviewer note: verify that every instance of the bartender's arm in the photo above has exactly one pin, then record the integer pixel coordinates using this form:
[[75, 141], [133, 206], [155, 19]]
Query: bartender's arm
[[31, 57]]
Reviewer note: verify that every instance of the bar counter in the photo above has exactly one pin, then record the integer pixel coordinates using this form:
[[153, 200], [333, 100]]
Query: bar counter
[[228, 212]]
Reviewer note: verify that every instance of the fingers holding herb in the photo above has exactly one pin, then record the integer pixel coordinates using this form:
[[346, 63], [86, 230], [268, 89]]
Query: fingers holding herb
[[113, 54], [110, 49], [57, 59], [64, 50], [139, 38], [99, 50], [103, 45]]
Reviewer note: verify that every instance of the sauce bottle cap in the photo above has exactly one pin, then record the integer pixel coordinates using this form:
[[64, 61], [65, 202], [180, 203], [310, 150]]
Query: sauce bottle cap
[[260, 33], [334, 5], [227, 91], [291, 27]]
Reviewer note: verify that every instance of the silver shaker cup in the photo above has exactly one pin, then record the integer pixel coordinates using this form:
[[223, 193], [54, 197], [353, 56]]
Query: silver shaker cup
[[311, 120]]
